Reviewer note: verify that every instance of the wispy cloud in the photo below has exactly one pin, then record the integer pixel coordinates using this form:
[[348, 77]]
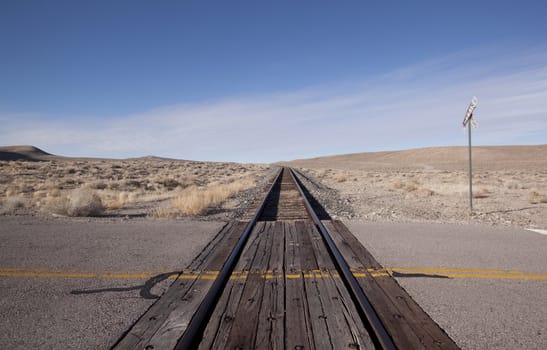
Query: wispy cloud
[[416, 106]]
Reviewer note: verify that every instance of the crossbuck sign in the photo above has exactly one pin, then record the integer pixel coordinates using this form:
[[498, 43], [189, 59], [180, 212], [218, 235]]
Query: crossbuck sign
[[468, 121], [469, 114]]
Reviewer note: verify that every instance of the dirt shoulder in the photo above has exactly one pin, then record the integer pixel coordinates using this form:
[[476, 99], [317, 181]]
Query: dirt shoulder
[[416, 186]]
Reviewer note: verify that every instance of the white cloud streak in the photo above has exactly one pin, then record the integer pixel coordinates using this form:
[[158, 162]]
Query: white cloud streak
[[416, 106]]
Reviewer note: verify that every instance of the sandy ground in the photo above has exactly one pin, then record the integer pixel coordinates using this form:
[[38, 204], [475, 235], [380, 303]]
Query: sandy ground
[[37, 183], [422, 185], [432, 185]]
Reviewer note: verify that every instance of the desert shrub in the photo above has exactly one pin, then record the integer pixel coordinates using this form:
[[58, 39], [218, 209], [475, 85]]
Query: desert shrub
[[98, 185], [38, 197], [482, 193], [341, 177], [408, 186], [115, 200], [70, 182], [398, 185], [11, 204], [6, 179], [513, 185], [169, 183], [78, 202], [536, 198], [115, 186], [11, 191], [132, 183], [424, 192]]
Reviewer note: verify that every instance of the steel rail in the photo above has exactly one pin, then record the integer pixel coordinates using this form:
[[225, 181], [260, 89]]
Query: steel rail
[[379, 334], [192, 336]]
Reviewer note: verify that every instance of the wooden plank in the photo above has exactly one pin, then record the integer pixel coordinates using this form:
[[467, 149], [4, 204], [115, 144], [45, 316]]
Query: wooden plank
[[182, 292], [217, 332], [314, 287], [407, 323], [395, 322], [347, 313], [244, 329], [346, 329], [221, 320], [270, 330], [298, 330], [181, 312], [308, 262]]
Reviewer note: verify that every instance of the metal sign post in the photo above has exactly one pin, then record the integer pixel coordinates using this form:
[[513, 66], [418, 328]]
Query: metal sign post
[[469, 121]]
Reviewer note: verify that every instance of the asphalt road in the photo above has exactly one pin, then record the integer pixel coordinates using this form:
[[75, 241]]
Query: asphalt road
[[493, 298], [79, 284]]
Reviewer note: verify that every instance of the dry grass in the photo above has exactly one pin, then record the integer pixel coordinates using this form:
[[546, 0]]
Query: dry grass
[[341, 177], [424, 192], [196, 200], [536, 198], [482, 193], [137, 184], [409, 186], [116, 200], [413, 186]]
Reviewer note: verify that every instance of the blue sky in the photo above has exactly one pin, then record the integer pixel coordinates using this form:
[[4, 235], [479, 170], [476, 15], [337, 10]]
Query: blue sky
[[222, 80]]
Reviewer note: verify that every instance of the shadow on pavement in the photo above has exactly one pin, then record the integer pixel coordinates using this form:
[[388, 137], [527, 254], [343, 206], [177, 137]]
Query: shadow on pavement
[[145, 289], [405, 275]]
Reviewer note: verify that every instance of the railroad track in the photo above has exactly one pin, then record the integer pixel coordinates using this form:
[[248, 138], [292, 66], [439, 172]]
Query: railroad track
[[285, 278]]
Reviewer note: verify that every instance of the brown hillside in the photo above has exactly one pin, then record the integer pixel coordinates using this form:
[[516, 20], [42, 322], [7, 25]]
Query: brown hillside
[[485, 158], [30, 153]]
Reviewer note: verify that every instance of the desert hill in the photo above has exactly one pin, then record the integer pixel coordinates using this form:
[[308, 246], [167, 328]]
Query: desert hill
[[485, 158], [29, 153]]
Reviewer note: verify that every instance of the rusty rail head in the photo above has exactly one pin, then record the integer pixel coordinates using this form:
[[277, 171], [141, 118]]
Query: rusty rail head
[[192, 336], [378, 332]]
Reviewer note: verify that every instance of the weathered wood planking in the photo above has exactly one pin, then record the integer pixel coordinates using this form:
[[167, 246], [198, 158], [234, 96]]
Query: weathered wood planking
[[346, 328], [313, 293], [406, 322], [218, 330], [244, 329], [170, 314], [270, 329], [304, 306], [298, 329]]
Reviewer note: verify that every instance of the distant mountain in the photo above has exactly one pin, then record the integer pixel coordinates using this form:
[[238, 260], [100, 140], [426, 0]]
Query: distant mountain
[[156, 158], [485, 158], [30, 153]]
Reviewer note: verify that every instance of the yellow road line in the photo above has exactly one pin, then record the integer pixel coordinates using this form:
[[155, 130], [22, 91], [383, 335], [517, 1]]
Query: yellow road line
[[76, 275], [453, 270], [454, 273], [497, 276]]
